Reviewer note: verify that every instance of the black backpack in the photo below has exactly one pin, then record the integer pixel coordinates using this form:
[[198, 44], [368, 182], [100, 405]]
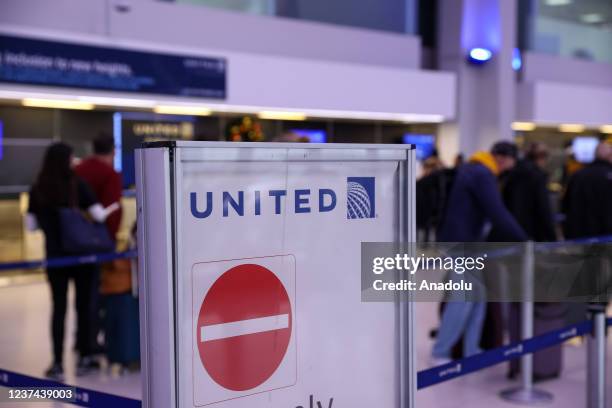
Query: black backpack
[[432, 196]]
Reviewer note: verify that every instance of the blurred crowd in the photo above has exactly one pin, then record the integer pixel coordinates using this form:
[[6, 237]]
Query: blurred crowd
[[502, 196], [77, 204]]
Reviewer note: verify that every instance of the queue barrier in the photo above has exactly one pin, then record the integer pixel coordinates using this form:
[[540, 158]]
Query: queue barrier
[[84, 397], [105, 257], [425, 378], [68, 261], [468, 365]]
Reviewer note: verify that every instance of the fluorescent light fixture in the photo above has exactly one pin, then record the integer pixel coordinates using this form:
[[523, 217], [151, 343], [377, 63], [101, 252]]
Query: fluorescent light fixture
[[517, 60], [178, 107], [592, 18], [523, 126], [558, 2], [571, 128], [419, 118], [57, 103], [123, 102], [281, 115], [606, 129], [182, 110], [479, 55]]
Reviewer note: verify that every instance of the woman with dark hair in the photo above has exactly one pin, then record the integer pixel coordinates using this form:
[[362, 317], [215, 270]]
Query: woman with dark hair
[[58, 187]]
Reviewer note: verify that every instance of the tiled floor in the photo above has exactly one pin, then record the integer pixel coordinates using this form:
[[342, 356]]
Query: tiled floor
[[25, 348], [25, 345], [482, 388]]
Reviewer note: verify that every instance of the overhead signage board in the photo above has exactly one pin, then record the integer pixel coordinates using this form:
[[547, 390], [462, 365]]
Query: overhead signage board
[[54, 63], [251, 284]]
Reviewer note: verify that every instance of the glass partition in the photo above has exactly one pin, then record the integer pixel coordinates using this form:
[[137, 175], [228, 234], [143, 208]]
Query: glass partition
[[398, 16], [570, 28]]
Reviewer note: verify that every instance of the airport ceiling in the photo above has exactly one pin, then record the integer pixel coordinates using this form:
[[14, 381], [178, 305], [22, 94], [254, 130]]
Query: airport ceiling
[[592, 12]]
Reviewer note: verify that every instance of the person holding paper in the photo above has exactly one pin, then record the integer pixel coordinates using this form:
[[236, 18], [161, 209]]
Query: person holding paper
[[98, 172]]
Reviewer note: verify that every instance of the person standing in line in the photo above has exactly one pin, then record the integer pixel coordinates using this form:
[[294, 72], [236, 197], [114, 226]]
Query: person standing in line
[[525, 194], [98, 172], [587, 203], [475, 204], [57, 187]]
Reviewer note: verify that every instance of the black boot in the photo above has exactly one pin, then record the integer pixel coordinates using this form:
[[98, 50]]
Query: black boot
[[55, 372]]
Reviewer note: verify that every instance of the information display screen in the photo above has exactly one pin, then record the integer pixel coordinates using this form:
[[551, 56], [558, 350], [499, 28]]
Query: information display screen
[[42, 62]]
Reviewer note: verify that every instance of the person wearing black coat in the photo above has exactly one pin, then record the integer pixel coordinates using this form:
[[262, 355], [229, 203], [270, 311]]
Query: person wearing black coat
[[525, 195], [587, 203]]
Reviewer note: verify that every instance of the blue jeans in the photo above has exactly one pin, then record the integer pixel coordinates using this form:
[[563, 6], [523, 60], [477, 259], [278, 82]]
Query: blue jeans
[[461, 318]]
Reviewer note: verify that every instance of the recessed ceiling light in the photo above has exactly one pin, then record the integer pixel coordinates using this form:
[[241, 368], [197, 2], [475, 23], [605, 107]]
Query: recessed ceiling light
[[57, 104], [182, 110], [571, 128], [558, 2], [282, 115], [523, 126], [592, 18], [606, 129]]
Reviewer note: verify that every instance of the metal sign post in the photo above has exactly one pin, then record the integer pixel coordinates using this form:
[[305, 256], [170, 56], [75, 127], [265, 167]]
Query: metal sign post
[[596, 357], [526, 393]]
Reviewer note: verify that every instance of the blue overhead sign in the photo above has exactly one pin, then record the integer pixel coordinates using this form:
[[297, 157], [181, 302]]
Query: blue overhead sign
[[52, 63]]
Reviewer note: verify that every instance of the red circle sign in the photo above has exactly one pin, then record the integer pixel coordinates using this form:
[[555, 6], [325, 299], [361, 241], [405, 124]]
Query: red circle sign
[[244, 327]]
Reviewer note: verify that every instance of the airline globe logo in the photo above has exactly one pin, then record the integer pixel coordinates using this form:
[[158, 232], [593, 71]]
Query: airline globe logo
[[360, 201], [360, 197]]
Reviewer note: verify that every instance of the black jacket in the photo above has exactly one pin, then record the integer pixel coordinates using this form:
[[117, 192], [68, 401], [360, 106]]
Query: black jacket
[[526, 196], [475, 202], [48, 216], [588, 201]]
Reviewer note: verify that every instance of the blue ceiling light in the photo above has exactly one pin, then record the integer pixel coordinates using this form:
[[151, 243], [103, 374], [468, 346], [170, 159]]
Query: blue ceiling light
[[479, 56], [517, 59]]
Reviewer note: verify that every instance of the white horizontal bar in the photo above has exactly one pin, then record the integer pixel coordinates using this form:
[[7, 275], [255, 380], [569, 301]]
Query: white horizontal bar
[[244, 327]]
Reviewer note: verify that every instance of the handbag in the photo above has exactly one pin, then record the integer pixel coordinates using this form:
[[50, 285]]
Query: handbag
[[116, 277], [81, 236]]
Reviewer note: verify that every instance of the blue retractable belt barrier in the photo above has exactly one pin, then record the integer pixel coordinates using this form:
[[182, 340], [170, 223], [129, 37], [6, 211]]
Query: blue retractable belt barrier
[[518, 247], [458, 368], [426, 378], [98, 258], [84, 397], [67, 261]]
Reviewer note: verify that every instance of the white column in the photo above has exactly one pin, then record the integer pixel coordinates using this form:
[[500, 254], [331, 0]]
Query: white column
[[486, 93]]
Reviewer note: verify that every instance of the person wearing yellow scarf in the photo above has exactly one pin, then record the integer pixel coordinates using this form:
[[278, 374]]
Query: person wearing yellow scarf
[[487, 160], [474, 203]]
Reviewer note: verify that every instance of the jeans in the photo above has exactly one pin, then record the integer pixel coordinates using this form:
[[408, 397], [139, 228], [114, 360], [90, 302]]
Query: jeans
[[461, 318]]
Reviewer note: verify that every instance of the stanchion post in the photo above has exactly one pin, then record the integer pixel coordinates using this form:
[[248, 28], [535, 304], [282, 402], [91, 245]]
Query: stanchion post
[[596, 357], [596, 348], [526, 393]]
